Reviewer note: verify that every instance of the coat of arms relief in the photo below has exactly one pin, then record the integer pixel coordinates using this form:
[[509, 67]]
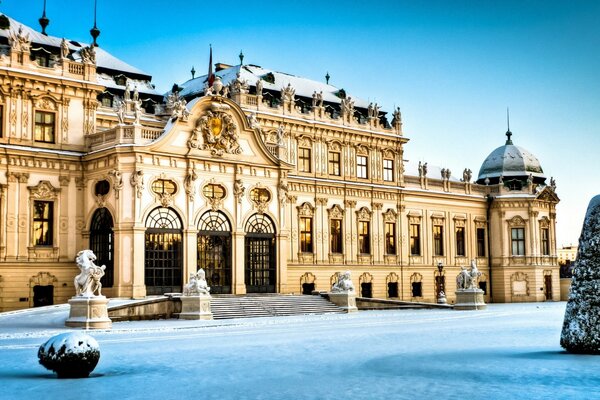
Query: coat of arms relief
[[216, 131]]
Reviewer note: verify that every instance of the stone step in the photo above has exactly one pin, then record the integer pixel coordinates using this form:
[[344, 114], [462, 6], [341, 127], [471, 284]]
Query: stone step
[[225, 307]]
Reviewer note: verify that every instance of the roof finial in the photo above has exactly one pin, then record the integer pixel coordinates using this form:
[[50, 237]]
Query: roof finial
[[95, 32], [241, 58], [193, 71], [327, 77], [508, 132], [44, 21], [211, 76]]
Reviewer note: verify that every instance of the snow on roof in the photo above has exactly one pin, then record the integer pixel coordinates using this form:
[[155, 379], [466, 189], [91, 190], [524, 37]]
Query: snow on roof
[[143, 86], [103, 58], [304, 87]]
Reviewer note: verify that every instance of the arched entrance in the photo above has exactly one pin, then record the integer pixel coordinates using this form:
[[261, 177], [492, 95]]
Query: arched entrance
[[260, 257], [102, 243], [214, 250], [163, 261]]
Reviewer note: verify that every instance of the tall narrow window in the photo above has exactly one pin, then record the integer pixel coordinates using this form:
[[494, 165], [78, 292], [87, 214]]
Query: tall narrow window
[[390, 238], [44, 127], [362, 169], [438, 240], [334, 163], [388, 170], [306, 243], [518, 241], [415, 240], [1, 120], [336, 235], [480, 242], [545, 242], [460, 241], [304, 160], [42, 223], [364, 237]]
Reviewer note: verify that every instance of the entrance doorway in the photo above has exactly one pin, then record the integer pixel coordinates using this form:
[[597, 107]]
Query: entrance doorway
[[43, 295], [101, 243], [548, 287], [163, 261], [214, 251], [260, 256]]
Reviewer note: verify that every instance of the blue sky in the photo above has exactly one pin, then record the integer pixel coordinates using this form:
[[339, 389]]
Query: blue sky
[[452, 66]]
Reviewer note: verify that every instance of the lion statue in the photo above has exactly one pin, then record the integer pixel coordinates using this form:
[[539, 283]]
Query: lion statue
[[197, 284], [344, 283], [87, 283]]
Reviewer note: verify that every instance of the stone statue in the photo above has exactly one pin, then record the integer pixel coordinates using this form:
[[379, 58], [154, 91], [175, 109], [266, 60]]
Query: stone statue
[[88, 55], [64, 48], [121, 112], [443, 173], [344, 283], [552, 183], [239, 189], [467, 175], [197, 285], [467, 279], [253, 121], [188, 182], [127, 91], [136, 94], [347, 106], [137, 181], [279, 133], [288, 93], [179, 110], [530, 180], [19, 41], [259, 87], [88, 281], [137, 112], [283, 191]]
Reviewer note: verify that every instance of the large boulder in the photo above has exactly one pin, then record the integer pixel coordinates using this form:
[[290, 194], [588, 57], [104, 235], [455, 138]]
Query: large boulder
[[70, 355], [581, 328]]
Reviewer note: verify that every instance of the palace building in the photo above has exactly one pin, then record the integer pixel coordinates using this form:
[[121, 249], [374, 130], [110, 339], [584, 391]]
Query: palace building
[[270, 182]]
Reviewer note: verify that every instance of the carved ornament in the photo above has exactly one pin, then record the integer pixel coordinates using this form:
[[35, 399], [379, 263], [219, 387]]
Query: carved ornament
[[219, 134], [44, 190]]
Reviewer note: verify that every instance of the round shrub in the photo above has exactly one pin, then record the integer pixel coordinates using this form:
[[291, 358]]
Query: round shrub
[[70, 355]]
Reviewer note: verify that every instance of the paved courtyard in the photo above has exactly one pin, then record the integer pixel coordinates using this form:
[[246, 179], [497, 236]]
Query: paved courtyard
[[508, 351]]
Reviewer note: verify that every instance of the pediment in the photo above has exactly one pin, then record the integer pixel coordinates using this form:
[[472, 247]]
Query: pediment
[[549, 195]]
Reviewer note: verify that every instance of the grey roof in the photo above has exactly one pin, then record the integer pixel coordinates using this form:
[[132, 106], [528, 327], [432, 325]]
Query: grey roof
[[510, 161], [103, 58], [251, 74]]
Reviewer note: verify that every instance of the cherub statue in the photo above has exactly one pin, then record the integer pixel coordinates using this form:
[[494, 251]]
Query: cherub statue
[[197, 285], [344, 283]]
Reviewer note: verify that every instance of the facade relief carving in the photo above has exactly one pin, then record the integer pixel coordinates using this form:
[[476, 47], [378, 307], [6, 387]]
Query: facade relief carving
[[137, 181], [336, 212], [44, 190], [216, 132], [517, 220]]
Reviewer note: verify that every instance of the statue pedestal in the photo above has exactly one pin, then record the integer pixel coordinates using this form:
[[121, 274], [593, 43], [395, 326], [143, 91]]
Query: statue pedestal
[[88, 313], [196, 307], [469, 299], [345, 300]]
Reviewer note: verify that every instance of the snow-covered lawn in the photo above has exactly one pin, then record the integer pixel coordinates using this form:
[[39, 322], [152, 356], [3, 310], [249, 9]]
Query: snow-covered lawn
[[509, 351]]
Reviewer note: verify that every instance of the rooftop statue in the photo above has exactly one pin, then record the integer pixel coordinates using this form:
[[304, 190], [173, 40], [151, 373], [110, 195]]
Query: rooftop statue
[[88, 281]]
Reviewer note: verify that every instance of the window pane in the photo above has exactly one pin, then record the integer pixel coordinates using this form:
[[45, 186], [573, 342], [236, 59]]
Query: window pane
[[415, 239], [390, 238]]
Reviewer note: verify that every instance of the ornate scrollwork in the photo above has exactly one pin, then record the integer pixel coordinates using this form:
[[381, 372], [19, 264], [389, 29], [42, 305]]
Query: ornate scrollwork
[[219, 134]]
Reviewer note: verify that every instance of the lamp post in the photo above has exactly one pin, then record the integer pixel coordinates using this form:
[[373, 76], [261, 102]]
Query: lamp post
[[441, 299]]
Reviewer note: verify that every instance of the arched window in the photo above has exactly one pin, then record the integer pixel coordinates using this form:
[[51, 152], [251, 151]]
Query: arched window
[[163, 261], [102, 243], [214, 250], [261, 261]]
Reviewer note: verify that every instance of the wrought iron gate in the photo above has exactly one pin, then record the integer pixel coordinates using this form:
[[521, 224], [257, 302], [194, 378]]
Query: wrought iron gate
[[260, 255], [102, 243], [214, 251]]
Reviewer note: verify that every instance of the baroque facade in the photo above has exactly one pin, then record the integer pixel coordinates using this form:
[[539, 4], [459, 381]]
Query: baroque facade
[[270, 182]]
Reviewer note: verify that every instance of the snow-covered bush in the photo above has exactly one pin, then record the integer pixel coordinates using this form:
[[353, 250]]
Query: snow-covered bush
[[581, 327], [70, 355]]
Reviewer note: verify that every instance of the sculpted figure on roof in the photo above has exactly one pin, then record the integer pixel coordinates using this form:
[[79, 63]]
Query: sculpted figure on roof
[[259, 87], [19, 41], [64, 48], [88, 55], [288, 93]]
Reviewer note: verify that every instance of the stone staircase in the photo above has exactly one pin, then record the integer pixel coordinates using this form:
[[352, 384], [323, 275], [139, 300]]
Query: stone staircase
[[250, 306]]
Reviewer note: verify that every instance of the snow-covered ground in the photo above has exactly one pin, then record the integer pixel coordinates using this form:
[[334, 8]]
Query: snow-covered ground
[[509, 351]]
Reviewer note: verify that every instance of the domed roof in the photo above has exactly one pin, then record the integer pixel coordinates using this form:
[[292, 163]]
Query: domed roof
[[510, 161]]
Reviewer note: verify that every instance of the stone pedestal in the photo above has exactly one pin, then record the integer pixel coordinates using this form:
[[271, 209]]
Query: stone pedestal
[[345, 300], [196, 307], [469, 299], [88, 313]]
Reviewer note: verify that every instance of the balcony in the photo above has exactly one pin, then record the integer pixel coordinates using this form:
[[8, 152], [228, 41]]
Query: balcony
[[122, 134]]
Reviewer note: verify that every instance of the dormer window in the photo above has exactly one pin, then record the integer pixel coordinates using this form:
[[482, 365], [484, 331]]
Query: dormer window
[[121, 80]]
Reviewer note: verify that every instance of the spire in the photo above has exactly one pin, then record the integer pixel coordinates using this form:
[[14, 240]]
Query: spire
[[211, 76], [44, 21], [508, 132], [241, 58], [327, 77], [95, 32], [193, 71]]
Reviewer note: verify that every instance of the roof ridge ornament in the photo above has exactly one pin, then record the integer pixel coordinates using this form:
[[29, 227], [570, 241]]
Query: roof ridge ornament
[[95, 32], [44, 21], [508, 132]]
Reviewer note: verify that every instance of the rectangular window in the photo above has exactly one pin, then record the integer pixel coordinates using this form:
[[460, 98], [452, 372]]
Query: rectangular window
[[415, 239], [1, 119], [364, 237], [388, 170], [460, 241], [336, 236], [362, 169], [390, 238], [417, 290], [334, 163], [306, 244], [480, 242], [42, 223], [43, 60], [44, 127], [545, 242], [518, 241], [438, 240], [107, 101], [304, 160]]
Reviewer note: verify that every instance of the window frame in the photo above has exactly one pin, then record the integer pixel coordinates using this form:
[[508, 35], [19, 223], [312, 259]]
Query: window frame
[[390, 238], [438, 240], [545, 241], [333, 164], [49, 220], [415, 240], [336, 236], [519, 242], [481, 244], [42, 132], [460, 235], [362, 167], [388, 170], [304, 159], [364, 238], [306, 234]]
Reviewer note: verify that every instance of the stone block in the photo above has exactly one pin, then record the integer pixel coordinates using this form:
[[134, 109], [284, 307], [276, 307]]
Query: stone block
[[196, 307], [345, 300], [88, 313], [469, 299]]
